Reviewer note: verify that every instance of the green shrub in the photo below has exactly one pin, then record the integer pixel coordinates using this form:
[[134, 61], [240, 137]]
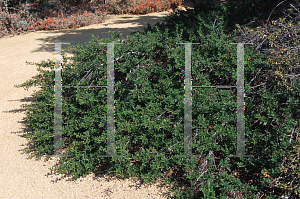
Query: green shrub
[[149, 110]]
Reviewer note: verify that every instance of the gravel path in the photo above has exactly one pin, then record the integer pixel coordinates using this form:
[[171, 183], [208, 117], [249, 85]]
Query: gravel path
[[21, 177]]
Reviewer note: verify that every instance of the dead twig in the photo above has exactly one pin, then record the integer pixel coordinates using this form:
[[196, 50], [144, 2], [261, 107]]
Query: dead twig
[[292, 133], [258, 85]]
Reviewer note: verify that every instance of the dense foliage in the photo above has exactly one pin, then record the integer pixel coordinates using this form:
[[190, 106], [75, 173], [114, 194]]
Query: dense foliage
[[149, 111]]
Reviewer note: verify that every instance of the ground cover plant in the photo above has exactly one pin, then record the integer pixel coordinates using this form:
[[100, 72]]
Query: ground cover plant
[[149, 108]]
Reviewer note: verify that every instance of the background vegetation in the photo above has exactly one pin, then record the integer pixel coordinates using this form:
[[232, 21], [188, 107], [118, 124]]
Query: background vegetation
[[19, 17]]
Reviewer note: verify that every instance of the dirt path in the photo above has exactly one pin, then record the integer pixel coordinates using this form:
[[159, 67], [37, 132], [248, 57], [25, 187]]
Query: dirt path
[[27, 178]]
